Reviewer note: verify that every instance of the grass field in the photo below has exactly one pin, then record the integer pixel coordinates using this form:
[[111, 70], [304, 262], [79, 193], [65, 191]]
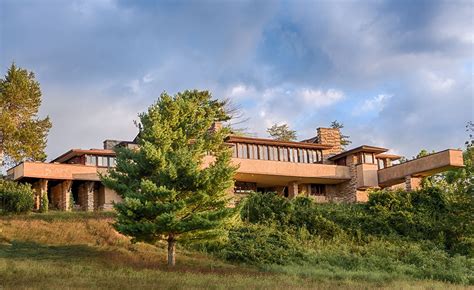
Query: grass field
[[81, 250]]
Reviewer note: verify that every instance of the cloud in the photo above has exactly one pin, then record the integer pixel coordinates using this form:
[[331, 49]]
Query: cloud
[[373, 105], [319, 98], [406, 68]]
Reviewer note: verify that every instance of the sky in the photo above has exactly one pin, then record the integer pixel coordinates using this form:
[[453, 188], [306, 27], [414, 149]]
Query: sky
[[398, 74]]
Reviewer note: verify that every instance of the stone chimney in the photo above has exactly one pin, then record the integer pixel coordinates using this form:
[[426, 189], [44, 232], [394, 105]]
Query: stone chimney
[[216, 126], [330, 136], [110, 144]]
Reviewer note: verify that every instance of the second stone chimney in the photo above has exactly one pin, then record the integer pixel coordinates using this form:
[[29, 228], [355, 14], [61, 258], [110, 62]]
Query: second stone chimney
[[330, 136], [216, 126], [110, 144]]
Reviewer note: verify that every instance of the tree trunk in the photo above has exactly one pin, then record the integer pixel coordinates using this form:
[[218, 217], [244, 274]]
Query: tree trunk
[[171, 251]]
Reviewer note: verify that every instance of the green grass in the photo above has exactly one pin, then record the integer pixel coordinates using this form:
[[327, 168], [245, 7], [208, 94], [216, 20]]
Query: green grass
[[81, 250]]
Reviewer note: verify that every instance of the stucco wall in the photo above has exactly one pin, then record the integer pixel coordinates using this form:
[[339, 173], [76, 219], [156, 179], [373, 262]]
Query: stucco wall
[[424, 166], [367, 175]]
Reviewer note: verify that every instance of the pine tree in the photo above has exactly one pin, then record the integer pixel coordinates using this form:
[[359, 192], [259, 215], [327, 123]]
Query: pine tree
[[168, 192], [281, 133], [22, 133], [344, 138]]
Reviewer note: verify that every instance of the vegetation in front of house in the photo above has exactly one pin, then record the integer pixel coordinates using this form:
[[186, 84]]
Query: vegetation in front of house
[[58, 250], [424, 234], [15, 197], [168, 193], [397, 235], [22, 133]]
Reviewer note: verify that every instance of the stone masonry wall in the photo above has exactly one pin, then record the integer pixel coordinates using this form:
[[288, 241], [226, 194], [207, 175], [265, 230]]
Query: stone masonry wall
[[332, 137], [346, 191]]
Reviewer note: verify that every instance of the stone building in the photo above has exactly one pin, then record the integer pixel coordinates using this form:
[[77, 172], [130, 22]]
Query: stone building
[[316, 167]]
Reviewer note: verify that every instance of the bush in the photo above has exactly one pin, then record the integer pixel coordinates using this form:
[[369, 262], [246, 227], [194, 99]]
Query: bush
[[259, 245], [15, 197], [44, 206], [265, 208], [425, 234]]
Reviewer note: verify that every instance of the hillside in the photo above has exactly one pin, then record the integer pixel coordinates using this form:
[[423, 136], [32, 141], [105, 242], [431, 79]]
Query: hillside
[[79, 250]]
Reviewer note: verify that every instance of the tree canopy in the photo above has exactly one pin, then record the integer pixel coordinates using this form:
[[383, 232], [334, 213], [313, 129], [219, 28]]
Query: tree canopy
[[22, 133], [169, 191], [344, 138], [281, 132]]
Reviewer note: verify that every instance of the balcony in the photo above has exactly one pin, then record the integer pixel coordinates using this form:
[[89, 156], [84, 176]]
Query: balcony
[[421, 167], [54, 171], [266, 172]]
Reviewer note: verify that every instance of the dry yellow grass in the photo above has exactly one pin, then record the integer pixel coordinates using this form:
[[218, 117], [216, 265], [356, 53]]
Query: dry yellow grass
[[79, 251]]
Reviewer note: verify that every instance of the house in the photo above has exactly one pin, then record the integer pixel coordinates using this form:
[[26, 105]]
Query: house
[[316, 167]]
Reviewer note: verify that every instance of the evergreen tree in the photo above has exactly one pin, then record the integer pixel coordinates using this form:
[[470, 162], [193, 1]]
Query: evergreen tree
[[168, 191], [22, 133], [281, 133], [344, 138]]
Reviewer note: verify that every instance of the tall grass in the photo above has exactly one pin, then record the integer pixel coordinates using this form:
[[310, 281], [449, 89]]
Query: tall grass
[[76, 250]]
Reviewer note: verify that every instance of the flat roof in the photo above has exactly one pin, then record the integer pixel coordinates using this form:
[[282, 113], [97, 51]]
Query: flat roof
[[263, 141], [389, 156], [363, 148], [78, 152]]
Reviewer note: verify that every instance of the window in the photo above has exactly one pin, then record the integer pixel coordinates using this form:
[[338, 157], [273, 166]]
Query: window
[[263, 152], [234, 150], [273, 153], [310, 156], [255, 151], [91, 160], [381, 163], [318, 189], [112, 161], [291, 155], [320, 156], [341, 161], [250, 148], [242, 151], [283, 154], [102, 161], [245, 187], [369, 158]]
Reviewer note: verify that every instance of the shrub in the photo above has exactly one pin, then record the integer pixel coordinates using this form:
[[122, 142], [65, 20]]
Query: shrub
[[44, 207], [259, 245], [306, 216], [267, 208], [15, 197]]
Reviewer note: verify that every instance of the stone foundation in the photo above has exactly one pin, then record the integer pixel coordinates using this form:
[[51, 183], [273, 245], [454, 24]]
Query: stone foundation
[[412, 183]]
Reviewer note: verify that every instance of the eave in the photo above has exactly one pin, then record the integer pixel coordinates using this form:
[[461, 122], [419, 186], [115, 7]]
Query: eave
[[363, 148], [270, 142]]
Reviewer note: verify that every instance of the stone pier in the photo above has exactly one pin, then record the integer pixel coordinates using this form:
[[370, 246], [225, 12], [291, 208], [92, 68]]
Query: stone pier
[[41, 188], [87, 195], [412, 183], [61, 195]]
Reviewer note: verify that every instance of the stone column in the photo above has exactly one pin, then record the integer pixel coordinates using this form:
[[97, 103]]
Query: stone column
[[292, 189], [412, 183], [348, 189], [65, 195], [89, 193], [41, 188]]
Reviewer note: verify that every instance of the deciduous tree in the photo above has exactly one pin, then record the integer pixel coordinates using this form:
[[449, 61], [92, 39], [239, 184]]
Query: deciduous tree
[[281, 132], [22, 133], [168, 192]]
